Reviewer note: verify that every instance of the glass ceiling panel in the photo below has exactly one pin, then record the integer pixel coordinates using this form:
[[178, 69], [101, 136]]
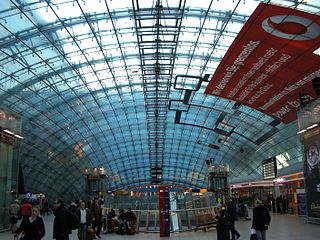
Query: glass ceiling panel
[[103, 74]]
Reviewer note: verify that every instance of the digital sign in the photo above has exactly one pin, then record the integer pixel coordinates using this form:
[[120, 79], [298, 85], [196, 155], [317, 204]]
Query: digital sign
[[269, 167]]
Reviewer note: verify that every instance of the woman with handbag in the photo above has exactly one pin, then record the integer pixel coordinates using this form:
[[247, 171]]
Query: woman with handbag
[[33, 227]]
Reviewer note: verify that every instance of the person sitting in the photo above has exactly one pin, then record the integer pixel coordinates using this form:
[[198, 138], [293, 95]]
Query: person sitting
[[121, 222], [111, 220], [111, 214], [121, 216], [130, 218]]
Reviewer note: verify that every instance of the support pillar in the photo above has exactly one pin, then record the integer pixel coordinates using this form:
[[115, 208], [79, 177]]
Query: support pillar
[[164, 211]]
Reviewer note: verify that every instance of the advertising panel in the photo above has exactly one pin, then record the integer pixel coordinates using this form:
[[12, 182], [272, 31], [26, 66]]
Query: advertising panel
[[312, 172], [301, 202], [271, 61]]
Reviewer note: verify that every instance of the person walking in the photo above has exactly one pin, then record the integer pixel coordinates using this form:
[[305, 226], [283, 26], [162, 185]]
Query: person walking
[[63, 221], [96, 213], [26, 209], [223, 229], [260, 220], [85, 220], [14, 212], [232, 213], [33, 227]]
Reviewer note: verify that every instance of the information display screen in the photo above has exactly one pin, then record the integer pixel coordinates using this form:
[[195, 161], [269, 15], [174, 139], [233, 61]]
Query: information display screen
[[269, 167]]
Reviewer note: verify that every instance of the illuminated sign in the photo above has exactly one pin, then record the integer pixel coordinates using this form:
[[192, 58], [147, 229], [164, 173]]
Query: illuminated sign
[[271, 61], [269, 167]]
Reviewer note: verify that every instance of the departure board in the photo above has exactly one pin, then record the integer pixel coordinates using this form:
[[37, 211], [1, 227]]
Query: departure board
[[269, 167]]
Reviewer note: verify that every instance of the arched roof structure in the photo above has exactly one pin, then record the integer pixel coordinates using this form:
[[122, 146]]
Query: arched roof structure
[[94, 85]]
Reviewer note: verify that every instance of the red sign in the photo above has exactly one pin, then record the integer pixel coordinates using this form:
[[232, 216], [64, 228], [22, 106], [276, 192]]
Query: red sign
[[164, 211], [271, 61]]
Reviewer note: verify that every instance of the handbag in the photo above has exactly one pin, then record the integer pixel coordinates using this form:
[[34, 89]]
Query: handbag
[[253, 234]]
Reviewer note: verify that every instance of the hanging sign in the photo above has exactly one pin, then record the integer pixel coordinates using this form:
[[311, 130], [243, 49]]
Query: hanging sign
[[271, 60]]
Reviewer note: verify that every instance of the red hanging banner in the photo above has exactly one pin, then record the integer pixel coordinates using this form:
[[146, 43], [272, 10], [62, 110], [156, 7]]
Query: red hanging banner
[[271, 61]]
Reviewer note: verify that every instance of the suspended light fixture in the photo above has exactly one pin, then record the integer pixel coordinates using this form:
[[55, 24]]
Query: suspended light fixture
[[308, 128], [12, 134]]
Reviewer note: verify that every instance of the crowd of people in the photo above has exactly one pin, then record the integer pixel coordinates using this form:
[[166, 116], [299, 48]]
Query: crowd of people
[[88, 218], [227, 214]]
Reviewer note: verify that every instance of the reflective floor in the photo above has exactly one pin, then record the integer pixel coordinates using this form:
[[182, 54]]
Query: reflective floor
[[282, 227]]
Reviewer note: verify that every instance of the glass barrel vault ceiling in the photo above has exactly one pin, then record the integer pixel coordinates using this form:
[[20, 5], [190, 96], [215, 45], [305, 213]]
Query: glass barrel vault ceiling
[[93, 82]]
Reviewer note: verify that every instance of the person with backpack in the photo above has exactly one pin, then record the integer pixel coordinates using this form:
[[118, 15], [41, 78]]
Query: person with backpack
[[64, 221]]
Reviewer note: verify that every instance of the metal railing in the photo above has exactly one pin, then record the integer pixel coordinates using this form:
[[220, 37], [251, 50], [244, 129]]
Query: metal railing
[[186, 219]]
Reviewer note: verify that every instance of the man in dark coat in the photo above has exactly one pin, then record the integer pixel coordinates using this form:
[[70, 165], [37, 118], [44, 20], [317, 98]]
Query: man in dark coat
[[232, 213], [261, 220], [61, 223], [96, 214], [223, 229]]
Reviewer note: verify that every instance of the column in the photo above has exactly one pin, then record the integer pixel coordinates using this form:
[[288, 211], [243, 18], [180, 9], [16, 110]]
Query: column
[[164, 211]]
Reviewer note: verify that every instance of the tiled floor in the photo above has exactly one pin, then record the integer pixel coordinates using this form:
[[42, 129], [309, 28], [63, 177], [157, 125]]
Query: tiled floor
[[282, 227]]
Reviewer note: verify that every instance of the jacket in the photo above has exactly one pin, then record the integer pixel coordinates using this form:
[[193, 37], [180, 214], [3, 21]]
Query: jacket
[[223, 230], [26, 209], [261, 218], [232, 210], [32, 230], [96, 212], [14, 209], [88, 216], [61, 223]]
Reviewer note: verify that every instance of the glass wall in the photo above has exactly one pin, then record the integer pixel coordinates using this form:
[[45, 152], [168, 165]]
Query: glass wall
[[8, 182], [10, 126]]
